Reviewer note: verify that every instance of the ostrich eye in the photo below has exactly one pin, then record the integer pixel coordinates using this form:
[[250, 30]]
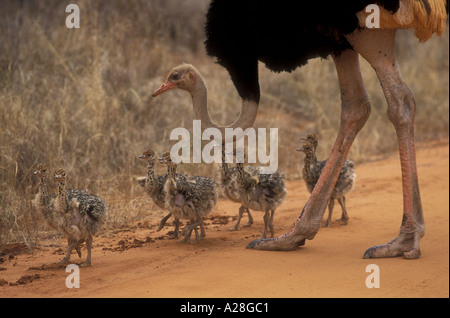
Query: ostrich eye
[[175, 76]]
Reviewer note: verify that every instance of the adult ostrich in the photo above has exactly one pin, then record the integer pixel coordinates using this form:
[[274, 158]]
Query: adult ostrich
[[284, 35]]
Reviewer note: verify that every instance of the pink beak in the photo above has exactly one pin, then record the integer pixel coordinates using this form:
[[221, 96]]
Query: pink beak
[[164, 87]]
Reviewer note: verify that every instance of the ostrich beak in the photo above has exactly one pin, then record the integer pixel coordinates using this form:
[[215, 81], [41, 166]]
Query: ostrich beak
[[164, 87], [300, 149], [141, 157]]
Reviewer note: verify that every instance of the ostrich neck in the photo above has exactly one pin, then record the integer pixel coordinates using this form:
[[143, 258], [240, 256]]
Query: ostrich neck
[[172, 170], [62, 193], [240, 168], [309, 160], [224, 168], [171, 176], [199, 96], [43, 190], [150, 171], [314, 157]]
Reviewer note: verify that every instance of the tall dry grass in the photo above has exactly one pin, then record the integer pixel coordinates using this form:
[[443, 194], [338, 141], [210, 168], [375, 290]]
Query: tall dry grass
[[81, 99]]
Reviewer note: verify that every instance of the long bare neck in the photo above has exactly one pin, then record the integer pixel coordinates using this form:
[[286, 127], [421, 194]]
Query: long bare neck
[[199, 96]]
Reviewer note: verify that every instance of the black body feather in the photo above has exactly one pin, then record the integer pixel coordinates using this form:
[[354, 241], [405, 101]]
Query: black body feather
[[282, 34]]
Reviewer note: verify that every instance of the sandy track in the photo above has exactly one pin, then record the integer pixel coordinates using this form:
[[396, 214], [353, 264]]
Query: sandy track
[[138, 263]]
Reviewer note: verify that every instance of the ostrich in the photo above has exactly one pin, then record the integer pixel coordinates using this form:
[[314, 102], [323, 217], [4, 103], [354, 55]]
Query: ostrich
[[261, 192], [44, 204], [154, 185], [311, 173], [229, 183], [186, 77], [313, 140], [193, 199], [267, 193], [84, 214], [284, 35]]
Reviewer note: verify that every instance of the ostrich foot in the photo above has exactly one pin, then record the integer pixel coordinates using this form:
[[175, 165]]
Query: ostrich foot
[[86, 264], [188, 230], [193, 227], [277, 244], [342, 221], [202, 231], [291, 240], [234, 228], [64, 261], [406, 245]]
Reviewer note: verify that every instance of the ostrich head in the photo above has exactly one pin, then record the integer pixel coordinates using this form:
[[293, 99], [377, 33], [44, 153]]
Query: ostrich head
[[307, 148], [60, 175], [312, 139], [165, 159], [187, 78], [149, 155], [41, 171], [183, 76]]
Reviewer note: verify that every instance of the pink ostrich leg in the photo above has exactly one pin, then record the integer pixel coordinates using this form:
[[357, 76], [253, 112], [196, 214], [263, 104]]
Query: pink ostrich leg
[[377, 47], [355, 112], [401, 112]]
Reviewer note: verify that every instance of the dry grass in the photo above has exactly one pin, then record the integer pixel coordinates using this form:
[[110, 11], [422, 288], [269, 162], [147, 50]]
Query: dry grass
[[81, 99]]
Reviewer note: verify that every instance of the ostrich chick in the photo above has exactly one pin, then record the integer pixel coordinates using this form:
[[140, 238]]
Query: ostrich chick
[[85, 213], [44, 204], [261, 192], [229, 183], [154, 185], [193, 198], [311, 173]]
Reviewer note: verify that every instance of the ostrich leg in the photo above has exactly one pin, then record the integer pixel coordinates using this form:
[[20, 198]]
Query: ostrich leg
[[242, 209], [355, 112], [378, 50]]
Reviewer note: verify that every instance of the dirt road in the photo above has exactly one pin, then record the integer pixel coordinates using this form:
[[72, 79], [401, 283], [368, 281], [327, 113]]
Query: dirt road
[[141, 262]]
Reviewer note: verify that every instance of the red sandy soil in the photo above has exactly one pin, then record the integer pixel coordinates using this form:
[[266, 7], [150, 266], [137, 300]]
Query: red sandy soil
[[140, 262]]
